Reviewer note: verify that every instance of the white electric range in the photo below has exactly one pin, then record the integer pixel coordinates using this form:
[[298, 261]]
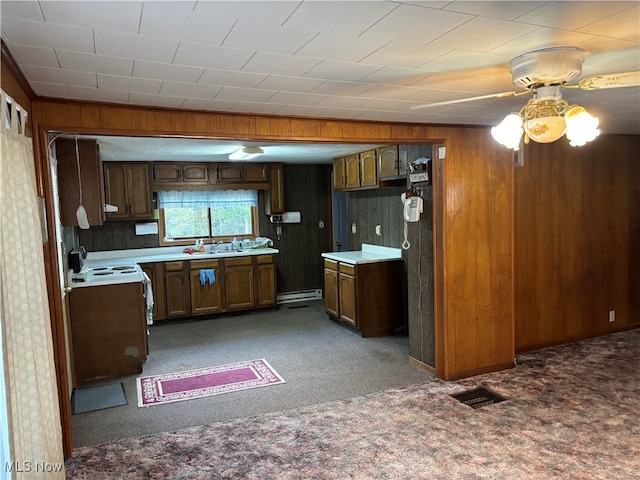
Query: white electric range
[[107, 273]]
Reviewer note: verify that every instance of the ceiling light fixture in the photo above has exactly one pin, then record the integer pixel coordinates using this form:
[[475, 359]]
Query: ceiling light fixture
[[246, 153], [544, 119]]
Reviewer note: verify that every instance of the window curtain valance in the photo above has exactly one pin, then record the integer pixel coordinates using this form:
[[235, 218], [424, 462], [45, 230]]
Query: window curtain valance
[[208, 198]]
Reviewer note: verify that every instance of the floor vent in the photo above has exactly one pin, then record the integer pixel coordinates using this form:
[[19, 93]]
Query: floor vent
[[298, 306], [478, 397]]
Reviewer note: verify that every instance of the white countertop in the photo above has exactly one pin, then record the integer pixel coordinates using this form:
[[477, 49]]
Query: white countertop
[[368, 254], [169, 254]]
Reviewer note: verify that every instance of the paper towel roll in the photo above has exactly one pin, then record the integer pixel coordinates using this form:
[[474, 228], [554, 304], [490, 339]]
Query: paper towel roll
[[150, 228]]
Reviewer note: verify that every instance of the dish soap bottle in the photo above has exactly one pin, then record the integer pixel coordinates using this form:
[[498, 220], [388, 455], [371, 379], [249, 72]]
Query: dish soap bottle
[[234, 244]]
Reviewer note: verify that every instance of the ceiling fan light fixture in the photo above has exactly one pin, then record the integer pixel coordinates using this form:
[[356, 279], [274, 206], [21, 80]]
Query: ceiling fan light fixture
[[545, 129], [509, 131], [245, 153]]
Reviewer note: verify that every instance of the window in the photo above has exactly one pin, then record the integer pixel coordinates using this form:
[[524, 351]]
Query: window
[[219, 214]]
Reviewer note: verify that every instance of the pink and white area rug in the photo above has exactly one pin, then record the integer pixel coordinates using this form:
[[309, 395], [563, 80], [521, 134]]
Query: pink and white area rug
[[204, 382]]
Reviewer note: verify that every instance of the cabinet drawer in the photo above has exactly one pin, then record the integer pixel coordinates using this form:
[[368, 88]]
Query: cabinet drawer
[[348, 269], [330, 264], [196, 264], [173, 266], [264, 259], [233, 262]]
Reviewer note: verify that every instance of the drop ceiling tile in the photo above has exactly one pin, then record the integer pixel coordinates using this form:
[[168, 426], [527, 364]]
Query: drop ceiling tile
[[191, 90], [293, 98], [27, 55], [22, 10], [302, 111], [156, 100], [390, 92], [340, 47], [49, 89], [290, 84], [611, 61], [112, 15], [202, 104], [336, 101], [267, 38], [473, 34], [339, 17], [179, 21], [231, 78], [139, 47], [541, 38], [395, 76], [268, 12], [404, 54], [341, 71], [57, 75], [349, 89], [276, 64], [129, 84], [504, 10], [388, 105], [416, 24], [624, 24], [90, 62], [47, 35], [573, 15], [211, 56], [464, 60], [244, 94], [98, 95], [166, 71]]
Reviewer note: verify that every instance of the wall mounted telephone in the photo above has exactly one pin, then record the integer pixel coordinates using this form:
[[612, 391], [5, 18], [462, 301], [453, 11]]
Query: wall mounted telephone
[[413, 205]]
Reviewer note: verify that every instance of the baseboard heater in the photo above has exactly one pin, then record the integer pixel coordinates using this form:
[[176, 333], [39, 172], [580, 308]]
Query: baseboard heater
[[300, 296]]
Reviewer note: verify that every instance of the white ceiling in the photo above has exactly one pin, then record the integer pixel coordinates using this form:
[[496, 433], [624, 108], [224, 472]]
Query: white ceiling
[[361, 60]]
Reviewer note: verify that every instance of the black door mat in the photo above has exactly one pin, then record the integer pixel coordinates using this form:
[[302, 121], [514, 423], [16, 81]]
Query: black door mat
[[478, 397], [90, 399]]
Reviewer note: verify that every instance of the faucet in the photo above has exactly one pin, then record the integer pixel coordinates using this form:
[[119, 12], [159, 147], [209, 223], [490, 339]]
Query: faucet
[[214, 244]]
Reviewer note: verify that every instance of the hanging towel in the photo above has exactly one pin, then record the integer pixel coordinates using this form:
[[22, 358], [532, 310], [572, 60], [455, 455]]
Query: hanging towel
[[149, 297], [207, 276]]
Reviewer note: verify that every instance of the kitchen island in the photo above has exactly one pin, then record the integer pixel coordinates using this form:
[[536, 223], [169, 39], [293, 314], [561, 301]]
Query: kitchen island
[[363, 289]]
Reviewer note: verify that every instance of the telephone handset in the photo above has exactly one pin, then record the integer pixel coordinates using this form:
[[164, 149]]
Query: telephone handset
[[412, 207]]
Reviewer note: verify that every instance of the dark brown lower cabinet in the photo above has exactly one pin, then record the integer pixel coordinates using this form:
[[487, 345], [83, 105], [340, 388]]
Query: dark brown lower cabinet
[[176, 290], [265, 273], [155, 272], [108, 330], [365, 296], [238, 283], [207, 297]]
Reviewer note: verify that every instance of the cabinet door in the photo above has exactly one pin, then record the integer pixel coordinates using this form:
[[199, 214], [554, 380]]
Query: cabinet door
[[155, 272], [347, 289], [238, 285], [176, 294], [139, 190], [368, 171], [331, 292], [266, 284], [205, 298], [352, 169], [274, 197], [91, 181], [255, 172], [339, 174], [166, 173], [388, 162], [197, 174], [229, 173], [115, 181]]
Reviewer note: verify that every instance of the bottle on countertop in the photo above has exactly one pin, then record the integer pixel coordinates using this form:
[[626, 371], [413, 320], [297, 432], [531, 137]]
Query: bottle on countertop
[[234, 244]]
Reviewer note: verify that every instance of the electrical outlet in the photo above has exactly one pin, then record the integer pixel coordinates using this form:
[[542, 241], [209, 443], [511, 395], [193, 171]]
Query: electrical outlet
[[354, 228], [612, 315]]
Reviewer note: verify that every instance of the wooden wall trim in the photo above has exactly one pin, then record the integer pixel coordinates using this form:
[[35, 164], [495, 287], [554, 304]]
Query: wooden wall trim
[[13, 81]]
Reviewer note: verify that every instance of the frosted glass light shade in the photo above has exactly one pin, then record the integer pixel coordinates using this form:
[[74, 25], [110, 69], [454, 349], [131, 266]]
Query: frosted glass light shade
[[509, 131], [545, 129], [582, 127]]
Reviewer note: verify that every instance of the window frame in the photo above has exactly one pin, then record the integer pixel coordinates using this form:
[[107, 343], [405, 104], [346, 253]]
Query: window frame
[[164, 242]]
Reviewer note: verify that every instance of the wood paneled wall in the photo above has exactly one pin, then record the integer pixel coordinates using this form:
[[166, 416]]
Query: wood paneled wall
[[473, 200], [299, 265], [577, 237]]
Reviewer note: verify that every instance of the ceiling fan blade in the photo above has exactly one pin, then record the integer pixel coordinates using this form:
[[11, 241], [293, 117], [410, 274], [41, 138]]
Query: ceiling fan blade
[[610, 80], [468, 99]]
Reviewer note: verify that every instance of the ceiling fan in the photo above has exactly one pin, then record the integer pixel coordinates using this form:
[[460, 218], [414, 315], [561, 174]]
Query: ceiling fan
[[546, 116]]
